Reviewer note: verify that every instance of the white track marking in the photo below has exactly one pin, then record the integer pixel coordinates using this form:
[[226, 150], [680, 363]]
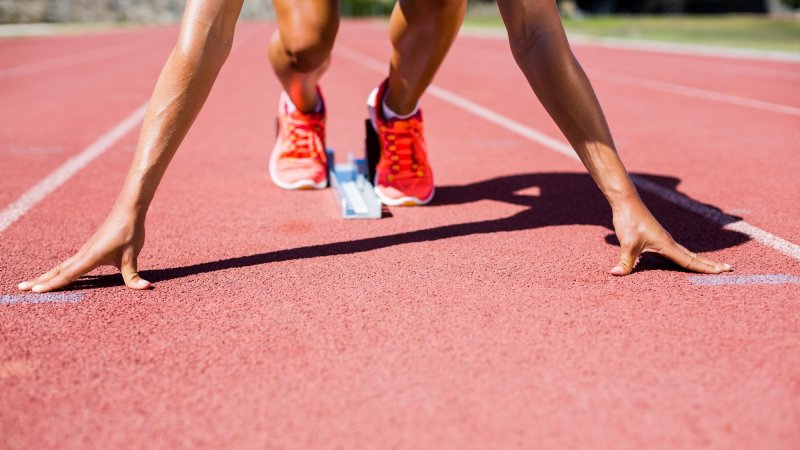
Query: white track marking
[[68, 60], [652, 46], [687, 91], [50, 297], [724, 280], [726, 221], [64, 172], [671, 88]]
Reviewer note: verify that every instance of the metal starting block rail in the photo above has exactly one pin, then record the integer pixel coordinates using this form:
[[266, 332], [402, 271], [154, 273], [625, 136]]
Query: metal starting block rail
[[353, 190]]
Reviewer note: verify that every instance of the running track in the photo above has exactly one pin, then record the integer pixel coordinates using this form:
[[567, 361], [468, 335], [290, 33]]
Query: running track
[[485, 320]]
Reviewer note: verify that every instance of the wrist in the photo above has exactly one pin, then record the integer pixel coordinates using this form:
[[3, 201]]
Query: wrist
[[129, 209], [623, 201]]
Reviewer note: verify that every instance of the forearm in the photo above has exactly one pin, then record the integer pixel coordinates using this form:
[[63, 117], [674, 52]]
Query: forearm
[[182, 88], [542, 52]]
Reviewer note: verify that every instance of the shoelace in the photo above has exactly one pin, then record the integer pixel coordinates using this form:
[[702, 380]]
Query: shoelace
[[401, 149], [305, 136]]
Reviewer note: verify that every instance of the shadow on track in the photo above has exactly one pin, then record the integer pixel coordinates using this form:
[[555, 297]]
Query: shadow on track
[[551, 199]]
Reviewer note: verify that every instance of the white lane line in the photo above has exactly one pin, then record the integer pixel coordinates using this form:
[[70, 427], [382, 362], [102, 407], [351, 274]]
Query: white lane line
[[50, 297], [726, 221], [652, 46], [665, 86], [671, 88], [64, 172], [725, 280], [35, 150], [69, 60], [688, 91]]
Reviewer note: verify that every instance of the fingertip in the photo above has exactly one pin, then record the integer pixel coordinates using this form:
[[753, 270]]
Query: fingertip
[[618, 270], [727, 267], [24, 286], [39, 288], [141, 283]]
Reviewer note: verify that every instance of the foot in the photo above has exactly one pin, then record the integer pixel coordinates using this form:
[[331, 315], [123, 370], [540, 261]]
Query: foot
[[298, 158], [403, 176]]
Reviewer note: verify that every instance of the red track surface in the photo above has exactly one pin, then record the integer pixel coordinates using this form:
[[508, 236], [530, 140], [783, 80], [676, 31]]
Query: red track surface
[[486, 320]]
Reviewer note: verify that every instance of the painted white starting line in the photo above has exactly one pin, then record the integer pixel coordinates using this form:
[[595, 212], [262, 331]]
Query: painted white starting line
[[50, 297], [727, 280], [726, 221]]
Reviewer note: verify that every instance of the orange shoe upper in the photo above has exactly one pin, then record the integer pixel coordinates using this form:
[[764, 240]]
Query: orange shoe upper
[[298, 158], [403, 169]]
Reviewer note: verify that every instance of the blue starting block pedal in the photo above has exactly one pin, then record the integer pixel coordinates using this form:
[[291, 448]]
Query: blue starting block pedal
[[352, 188], [352, 181]]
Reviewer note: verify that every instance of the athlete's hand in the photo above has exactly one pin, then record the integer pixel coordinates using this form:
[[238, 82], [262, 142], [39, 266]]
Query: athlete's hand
[[639, 232], [116, 243]]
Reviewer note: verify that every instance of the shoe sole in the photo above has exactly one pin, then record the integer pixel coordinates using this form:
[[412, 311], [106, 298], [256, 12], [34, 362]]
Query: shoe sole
[[403, 201]]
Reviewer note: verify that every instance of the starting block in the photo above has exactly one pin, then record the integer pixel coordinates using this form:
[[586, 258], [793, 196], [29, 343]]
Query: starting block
[[351, 181]]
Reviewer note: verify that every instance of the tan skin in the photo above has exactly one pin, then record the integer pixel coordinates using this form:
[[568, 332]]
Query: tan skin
[[541, 50], [421, 32]]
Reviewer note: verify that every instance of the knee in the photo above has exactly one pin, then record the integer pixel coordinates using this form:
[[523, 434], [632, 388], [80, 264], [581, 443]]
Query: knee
[[309, 47]]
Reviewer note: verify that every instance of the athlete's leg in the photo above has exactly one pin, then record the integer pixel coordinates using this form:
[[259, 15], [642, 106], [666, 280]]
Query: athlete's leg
[[300, 50], [184, 84], [421, 32], [541, 50]]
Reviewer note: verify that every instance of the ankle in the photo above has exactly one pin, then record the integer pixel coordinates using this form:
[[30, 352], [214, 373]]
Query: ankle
[[306, 105], [397, 110]]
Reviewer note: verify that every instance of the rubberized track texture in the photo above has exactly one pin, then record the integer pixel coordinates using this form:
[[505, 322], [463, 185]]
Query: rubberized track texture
[[484, 320]]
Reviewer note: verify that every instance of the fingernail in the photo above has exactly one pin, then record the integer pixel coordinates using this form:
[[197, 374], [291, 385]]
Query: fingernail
[[23, 285], [38, 288], [727, 266]]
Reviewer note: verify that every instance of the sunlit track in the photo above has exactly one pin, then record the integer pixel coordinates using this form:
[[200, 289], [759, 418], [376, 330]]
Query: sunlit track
[[63, 173], [775, 242], [655, 46], [486, 319], [114, 51], [716, 96], [687, 91]]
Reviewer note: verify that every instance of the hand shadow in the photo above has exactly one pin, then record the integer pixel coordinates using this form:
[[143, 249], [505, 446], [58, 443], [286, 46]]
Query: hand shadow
[[550, 199]]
